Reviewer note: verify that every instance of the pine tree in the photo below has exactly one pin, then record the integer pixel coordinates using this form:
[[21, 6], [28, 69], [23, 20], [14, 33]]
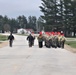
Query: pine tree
[[50, 10]]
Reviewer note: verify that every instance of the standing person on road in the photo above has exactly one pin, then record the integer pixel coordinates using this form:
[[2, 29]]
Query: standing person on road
[[33, 38], [63, 39], [40, 40], [10, 38], [30, 40], [59, 40]]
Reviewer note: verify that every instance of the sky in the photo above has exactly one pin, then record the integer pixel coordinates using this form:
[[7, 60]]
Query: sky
[[15, 8]]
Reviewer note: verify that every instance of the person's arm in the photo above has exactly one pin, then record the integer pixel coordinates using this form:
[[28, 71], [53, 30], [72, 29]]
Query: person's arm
[[27, 38], [38, 37], [13, 38]]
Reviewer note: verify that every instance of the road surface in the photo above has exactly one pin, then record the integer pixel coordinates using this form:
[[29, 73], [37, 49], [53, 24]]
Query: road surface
[[22, 60]]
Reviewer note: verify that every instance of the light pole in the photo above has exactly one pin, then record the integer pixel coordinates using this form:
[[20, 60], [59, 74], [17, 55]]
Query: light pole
[[37, 27]]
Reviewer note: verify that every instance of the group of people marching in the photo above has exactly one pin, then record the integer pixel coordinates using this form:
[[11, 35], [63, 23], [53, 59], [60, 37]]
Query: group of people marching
[[54, 39]]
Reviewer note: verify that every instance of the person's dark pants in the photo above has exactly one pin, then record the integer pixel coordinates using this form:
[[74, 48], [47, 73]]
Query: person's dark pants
[[10, 43], [33, 42], [40, 44], [48, 44], [30, 43], [59, 44], [62, 44]]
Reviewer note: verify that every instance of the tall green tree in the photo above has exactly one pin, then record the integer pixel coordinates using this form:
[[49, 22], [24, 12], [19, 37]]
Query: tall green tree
[[73, 19], [50, 10], [13, 25], [22, 21], [5, 21], [32, 22], [1, 22], [70, 15], [59, 15], [40, 24]]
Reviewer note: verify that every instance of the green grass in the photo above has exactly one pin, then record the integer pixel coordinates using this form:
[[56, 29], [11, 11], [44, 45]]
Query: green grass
[[3, 37], [71, 39], [71, 43]]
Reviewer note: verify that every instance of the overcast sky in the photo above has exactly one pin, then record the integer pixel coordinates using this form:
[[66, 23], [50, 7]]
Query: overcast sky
[[14, 8]]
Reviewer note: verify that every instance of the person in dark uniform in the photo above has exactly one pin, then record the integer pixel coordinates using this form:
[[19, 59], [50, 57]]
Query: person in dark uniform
[[63, 39], [30, 39], [33, 39], [47, 41], [59, 40], [40, 40], [10, 38]]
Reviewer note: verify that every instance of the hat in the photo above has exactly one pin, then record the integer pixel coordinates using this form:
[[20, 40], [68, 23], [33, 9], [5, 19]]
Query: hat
[[40, 33], [52, 33], [59, 33], [62, 34]]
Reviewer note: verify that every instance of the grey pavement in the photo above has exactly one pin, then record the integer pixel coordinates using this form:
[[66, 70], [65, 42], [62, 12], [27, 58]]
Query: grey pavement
[[22, 60]]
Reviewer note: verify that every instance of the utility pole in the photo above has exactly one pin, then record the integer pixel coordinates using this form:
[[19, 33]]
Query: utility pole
[[37, 26]]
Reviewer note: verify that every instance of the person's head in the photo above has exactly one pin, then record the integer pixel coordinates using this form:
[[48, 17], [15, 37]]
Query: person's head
[[40, 33]]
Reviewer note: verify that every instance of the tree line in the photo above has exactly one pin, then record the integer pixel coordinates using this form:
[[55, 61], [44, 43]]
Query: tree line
[[59, 15], [32, 22]]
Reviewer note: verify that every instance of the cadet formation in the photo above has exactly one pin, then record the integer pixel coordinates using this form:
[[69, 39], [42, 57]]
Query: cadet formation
[[52, 39]]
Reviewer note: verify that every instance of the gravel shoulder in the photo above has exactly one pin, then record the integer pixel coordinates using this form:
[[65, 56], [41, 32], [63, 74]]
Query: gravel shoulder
[[67, 47], [3, 44]]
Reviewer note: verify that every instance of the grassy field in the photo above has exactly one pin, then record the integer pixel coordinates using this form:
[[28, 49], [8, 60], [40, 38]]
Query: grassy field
[[3, 37], [71, 42]]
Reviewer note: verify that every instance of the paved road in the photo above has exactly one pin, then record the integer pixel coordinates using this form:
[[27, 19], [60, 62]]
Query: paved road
[[22, 60]]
